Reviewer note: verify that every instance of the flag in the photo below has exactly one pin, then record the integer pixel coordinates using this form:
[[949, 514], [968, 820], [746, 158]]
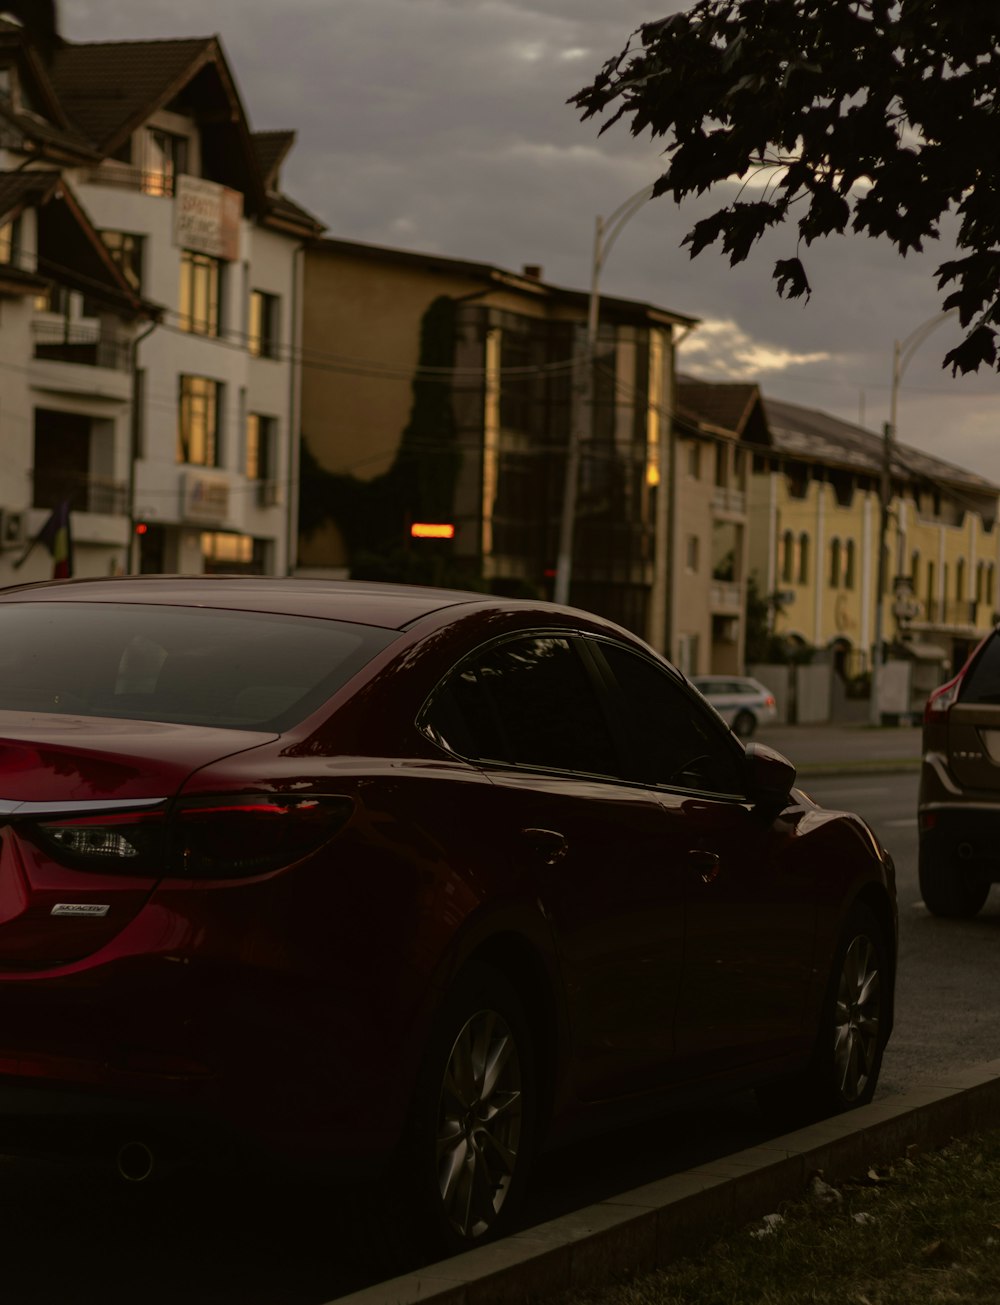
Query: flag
[[57, 538]]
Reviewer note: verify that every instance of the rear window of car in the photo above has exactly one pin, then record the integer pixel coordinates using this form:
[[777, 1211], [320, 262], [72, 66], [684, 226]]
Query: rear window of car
[[194, 666], [982, 683]]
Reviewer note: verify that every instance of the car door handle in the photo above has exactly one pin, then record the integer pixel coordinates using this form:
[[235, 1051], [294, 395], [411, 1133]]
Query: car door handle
[[550, 845], [706, 863]]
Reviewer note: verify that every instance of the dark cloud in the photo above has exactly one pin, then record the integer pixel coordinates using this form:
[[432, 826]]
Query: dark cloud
[[442, 125]]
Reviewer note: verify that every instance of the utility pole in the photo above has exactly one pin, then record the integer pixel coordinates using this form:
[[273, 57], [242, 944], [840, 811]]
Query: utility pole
[[582, 417], [901, 355]]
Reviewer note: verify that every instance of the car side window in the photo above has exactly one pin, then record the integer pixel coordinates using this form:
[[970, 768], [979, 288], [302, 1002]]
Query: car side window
[[529, 701], [674, 739]]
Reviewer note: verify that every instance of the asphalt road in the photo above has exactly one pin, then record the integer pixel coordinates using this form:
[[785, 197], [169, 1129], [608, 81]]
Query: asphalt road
[[70, 1235]]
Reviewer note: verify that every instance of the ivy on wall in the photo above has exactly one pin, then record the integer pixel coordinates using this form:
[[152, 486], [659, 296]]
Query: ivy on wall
[[374, 515]]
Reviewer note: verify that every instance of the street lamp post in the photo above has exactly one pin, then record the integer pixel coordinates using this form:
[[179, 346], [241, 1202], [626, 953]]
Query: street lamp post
[[901, 355], [606, 232]]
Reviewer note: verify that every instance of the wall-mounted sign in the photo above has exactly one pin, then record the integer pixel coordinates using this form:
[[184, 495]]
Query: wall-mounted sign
[[204, 498], [207, 217]]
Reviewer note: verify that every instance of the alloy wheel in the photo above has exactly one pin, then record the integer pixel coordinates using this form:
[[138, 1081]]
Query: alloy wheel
[[479, 1124], [856, 1018]]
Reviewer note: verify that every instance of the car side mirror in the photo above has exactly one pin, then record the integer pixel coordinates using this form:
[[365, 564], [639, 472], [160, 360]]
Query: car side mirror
[[768, 777]]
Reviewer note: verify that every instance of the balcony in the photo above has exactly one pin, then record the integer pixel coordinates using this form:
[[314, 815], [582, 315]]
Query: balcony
[[95, 494], [81, 342], [726, 597], [729, 502], [949, 612], [126, 177]]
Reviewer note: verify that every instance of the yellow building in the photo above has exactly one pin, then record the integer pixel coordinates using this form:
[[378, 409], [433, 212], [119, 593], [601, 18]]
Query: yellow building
[[714, 425], [815, 528], [443, 392]]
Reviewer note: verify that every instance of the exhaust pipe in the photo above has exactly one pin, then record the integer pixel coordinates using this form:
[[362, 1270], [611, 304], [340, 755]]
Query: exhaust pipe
[[966, 851], [135, 1162]]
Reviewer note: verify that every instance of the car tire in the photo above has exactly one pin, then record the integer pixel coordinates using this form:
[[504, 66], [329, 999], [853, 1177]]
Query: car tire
[[948, 889], [471, 1132], [744, 724], [847, 1057]]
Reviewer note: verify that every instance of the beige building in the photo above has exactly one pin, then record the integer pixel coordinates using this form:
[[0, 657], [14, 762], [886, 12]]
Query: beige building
[[814, 542], [714, 426], [440, 392]]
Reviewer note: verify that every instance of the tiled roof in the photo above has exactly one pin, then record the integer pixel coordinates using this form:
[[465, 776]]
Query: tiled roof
[[270, 148], [34, 128], [280, 206], [724, 406], [18, 188], [107, 85], [812, 435]]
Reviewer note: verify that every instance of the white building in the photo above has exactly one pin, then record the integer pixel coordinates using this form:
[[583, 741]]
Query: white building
[[153, 381]]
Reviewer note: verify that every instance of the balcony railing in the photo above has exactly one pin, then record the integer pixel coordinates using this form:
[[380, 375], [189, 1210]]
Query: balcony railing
[[129, 178], [726, 596], [80, 342], [949, 611], [53, 486], [725, 499]]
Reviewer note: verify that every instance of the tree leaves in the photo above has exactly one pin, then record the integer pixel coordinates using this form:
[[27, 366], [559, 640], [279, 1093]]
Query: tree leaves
[[881, 113]]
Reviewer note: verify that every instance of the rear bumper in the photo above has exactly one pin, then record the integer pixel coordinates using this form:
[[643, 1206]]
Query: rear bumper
[[966, 836]]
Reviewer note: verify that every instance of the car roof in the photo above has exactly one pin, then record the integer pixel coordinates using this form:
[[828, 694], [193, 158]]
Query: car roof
[[391, 606]]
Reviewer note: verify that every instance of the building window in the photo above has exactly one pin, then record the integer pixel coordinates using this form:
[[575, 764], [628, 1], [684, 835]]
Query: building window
[[262, 337], [261, 433], [849, 565], [10, 241], [201, 293], [960, 580], [694, 461], [126, 250], [834, 563], [803, 558], [198, 421], [692, 553], [164, 160], [721, 465], [787, 555], [54, 299]]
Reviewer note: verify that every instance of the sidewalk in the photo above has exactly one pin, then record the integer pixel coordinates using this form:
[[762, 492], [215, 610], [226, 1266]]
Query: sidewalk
[[833, 749], [653, 1225]]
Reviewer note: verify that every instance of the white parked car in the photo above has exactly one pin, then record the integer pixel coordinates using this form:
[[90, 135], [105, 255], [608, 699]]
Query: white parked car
[[741, 701]]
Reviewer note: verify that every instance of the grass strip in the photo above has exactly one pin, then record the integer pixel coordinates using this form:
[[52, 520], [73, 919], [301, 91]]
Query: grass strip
[[925, 1231]]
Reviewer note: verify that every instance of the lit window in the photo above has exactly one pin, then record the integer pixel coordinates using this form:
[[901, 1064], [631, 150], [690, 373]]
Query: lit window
[[10, 241], [262, 337], [164, 160], [126, 250], [260, 445], [201, 292], [198, 421]]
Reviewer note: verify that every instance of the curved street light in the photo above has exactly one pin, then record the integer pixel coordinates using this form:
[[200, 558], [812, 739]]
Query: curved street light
[[902, 352], [606, 232]]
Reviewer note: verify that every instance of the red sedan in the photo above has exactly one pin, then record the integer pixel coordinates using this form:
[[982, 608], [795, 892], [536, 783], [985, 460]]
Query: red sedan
[[404, 879]]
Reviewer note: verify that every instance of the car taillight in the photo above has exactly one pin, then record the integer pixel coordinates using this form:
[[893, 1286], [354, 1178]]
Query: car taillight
[[235, 838], [127, 844], [230, 837], [941, 701], [769, 701]]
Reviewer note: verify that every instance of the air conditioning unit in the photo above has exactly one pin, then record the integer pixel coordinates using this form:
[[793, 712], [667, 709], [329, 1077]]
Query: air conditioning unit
[[269, 494], [13, 528]]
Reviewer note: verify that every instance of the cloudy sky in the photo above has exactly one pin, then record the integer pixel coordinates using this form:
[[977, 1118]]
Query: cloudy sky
[[441, 126]]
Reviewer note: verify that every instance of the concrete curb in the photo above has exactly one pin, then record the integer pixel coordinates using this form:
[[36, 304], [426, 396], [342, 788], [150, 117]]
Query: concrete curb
[[652, 1225], [849, 768]]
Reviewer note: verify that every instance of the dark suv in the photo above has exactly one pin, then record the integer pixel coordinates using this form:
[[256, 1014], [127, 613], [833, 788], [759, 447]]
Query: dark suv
[[959, 803]]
